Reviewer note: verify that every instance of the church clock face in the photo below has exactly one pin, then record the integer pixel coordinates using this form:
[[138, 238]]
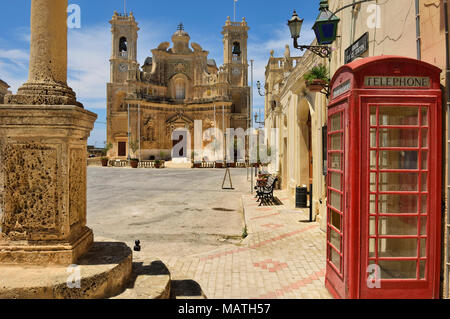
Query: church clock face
[[236, 71], [122, 67]]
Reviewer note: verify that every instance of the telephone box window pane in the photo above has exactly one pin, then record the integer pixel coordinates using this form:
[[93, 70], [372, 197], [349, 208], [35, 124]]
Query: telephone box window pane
[[423, 204], [397, 204], [336, 142], [424, 182], [372, 207], [399, 160], [336, 122], [336, 201], [399, 182], [423, 226], [336, 181], [372, 245], [397, 247], [373, 182], [335, 258], [394, 115], [423, 247], [373, 116], [422, 269], [395, 137], [424, 116], [373, 160], [397, 226], [335, 219], [425, 160], [425, 138], [335, 161], [335, 239], [373, 138], [398, 269], [372, 226]]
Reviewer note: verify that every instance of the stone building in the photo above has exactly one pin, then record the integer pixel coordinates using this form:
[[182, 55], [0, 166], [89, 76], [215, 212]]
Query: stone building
[[3, 90], [301, 115], [178, 85]]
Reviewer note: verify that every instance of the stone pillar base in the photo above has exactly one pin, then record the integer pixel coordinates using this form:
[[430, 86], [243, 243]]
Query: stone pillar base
[[104, 270], [43, 94], [43, 180], [65, 254]]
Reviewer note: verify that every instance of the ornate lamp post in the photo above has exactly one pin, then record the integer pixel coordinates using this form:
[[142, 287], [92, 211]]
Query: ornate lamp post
[[325, 29], [258, 86]]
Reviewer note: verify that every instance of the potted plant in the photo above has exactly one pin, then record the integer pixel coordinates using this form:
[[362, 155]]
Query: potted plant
[[134, 162], [317, 78], [105, 159], [158, 163]]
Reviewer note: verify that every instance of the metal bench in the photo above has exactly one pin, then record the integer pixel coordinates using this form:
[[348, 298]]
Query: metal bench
[[265, 193]]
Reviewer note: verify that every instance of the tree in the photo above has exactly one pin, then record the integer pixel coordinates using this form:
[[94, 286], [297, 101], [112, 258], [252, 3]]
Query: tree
[[134, 145]]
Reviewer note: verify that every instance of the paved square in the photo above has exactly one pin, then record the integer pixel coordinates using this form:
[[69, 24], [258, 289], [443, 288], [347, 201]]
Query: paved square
[[184, 218]]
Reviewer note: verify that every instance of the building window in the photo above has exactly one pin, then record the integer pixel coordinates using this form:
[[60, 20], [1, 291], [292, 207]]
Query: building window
[[180, 91]]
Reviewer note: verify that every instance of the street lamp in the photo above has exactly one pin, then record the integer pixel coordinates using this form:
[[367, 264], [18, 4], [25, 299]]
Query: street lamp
[[326, 25], [258, 85], [325, 29], [256, 120]]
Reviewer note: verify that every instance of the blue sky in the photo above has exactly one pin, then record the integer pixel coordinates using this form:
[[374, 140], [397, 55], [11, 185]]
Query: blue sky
[[90, 46]]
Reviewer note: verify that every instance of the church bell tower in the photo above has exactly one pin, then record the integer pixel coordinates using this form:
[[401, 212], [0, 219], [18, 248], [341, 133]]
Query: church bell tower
[[235, 35], [124, 29]]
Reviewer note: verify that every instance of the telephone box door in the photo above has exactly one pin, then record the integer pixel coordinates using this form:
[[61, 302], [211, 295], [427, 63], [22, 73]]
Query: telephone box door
[[399, 172], [336, 210]]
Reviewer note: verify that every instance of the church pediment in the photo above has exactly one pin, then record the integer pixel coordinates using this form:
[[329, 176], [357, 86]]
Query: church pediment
[[179, 118]]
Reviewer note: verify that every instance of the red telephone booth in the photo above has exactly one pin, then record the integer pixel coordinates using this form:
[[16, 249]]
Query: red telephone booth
[[384, 180]]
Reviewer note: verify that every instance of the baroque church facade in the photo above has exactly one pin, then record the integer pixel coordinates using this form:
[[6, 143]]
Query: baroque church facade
[[178, 85]]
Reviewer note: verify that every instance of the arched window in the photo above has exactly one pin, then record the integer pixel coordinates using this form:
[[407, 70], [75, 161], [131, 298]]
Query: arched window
[[180, 90], [123, 47]]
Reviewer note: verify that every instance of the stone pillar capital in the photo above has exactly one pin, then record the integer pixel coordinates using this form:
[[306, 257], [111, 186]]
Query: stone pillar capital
[[47, 76]]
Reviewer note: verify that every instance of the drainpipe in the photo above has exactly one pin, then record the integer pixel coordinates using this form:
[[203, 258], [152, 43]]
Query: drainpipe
[[447, 50], [419, 49], [447, 98]]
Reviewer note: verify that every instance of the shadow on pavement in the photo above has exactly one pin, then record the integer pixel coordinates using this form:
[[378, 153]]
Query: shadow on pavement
[[185, 289]]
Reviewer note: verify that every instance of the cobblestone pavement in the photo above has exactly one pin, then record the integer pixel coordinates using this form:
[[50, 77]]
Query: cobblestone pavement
[[282, 257]]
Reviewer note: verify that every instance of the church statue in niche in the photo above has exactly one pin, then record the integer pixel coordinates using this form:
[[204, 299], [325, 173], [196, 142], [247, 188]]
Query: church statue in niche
[[149, 130], [176, 86]]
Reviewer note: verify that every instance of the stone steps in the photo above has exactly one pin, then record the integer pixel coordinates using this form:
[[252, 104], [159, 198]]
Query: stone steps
[[150, 280]]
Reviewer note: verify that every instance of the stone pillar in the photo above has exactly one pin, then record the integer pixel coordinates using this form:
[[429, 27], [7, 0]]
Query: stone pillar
[[43, 138], [47, 78]]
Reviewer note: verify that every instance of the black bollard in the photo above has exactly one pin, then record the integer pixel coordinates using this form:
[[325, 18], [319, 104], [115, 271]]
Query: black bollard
[[137, 246]]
